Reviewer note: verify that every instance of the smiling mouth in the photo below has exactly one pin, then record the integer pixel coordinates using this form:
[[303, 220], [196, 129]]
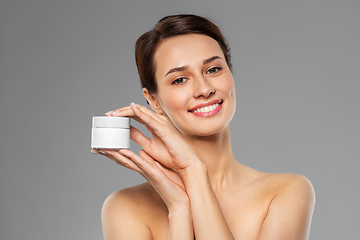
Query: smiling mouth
[[207, 109]]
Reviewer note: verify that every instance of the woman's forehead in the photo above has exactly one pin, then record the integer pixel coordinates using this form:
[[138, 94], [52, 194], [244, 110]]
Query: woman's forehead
[[185, 50]]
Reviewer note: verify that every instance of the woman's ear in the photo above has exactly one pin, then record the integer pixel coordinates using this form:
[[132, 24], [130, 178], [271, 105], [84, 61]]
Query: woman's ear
[[153, 102]]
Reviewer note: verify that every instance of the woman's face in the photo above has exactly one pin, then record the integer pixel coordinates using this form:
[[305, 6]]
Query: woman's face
[[196, 89]]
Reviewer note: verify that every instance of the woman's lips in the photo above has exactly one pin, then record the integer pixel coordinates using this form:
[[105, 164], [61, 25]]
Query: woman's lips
[[207, 109]]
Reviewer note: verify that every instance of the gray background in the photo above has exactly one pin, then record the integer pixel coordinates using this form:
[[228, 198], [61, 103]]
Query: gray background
[[296, 67]]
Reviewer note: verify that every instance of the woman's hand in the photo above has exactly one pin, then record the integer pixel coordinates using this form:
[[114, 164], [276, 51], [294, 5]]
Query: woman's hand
[[165, 181], [166, 146], [156, 163]]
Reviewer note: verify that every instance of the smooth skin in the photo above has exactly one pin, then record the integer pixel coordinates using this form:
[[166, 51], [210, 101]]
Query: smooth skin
[[195, 188]]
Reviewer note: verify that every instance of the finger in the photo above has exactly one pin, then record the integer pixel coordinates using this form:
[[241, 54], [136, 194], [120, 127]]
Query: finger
[[148, 157], [97, 151], [169, 172], [160, 117], [149, 119], [148, 166], [145, 155], [110, 113], [130, 114], [94, 151], [140, 162], [151, 113], [124, 112], [120, 159], [167, 188], [139, 138]]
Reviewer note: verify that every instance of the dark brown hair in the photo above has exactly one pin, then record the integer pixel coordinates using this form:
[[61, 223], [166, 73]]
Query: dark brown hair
[[168, 27]]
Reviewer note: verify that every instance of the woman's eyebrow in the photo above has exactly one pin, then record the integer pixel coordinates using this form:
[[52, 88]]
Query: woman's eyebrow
[[177, 69], [211, 59], [183, 68]]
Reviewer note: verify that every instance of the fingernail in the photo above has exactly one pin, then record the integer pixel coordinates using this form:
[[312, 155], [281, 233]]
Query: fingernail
[[93, 151], [109, 113], [115, 112], [102, 152], [133, 104]]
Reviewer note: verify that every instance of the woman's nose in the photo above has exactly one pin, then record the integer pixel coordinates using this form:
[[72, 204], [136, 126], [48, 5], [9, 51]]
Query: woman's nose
[[203, 88]]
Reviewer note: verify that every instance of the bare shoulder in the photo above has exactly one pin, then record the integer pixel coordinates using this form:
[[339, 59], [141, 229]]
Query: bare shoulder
[[288, 186], [288, 183], [275, 184], [290, 210], [135, 195], [125, 213]]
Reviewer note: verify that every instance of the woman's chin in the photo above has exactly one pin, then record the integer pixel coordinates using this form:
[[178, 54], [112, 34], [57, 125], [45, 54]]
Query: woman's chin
[[204, 127], [204, 132]]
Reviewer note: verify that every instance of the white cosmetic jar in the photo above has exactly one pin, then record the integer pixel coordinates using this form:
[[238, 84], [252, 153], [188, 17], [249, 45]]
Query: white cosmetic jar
[[110, 132]]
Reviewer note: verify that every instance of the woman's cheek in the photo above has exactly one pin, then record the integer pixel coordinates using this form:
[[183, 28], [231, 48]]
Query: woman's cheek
[[229, 86], [171, 102]]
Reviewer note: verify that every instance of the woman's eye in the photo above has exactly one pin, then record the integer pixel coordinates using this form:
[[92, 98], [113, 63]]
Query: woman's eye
[[179, 81], [214, 70]]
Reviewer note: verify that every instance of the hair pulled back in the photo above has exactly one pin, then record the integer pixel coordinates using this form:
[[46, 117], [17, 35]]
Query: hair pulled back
[[168, 27]]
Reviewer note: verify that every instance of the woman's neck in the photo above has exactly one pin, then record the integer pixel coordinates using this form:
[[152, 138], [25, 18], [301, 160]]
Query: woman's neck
[[215, 151]]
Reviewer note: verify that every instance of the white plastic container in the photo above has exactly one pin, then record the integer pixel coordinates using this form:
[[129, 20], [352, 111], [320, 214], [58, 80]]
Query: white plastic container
[[110, 132]]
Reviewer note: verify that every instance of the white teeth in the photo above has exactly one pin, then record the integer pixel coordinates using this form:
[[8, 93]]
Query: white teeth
[[207, 108]]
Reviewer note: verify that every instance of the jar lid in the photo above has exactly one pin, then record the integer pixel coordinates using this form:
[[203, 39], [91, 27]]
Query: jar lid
[[110, 122]]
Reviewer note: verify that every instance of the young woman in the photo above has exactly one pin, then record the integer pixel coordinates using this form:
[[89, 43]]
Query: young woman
[[195, 188]]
